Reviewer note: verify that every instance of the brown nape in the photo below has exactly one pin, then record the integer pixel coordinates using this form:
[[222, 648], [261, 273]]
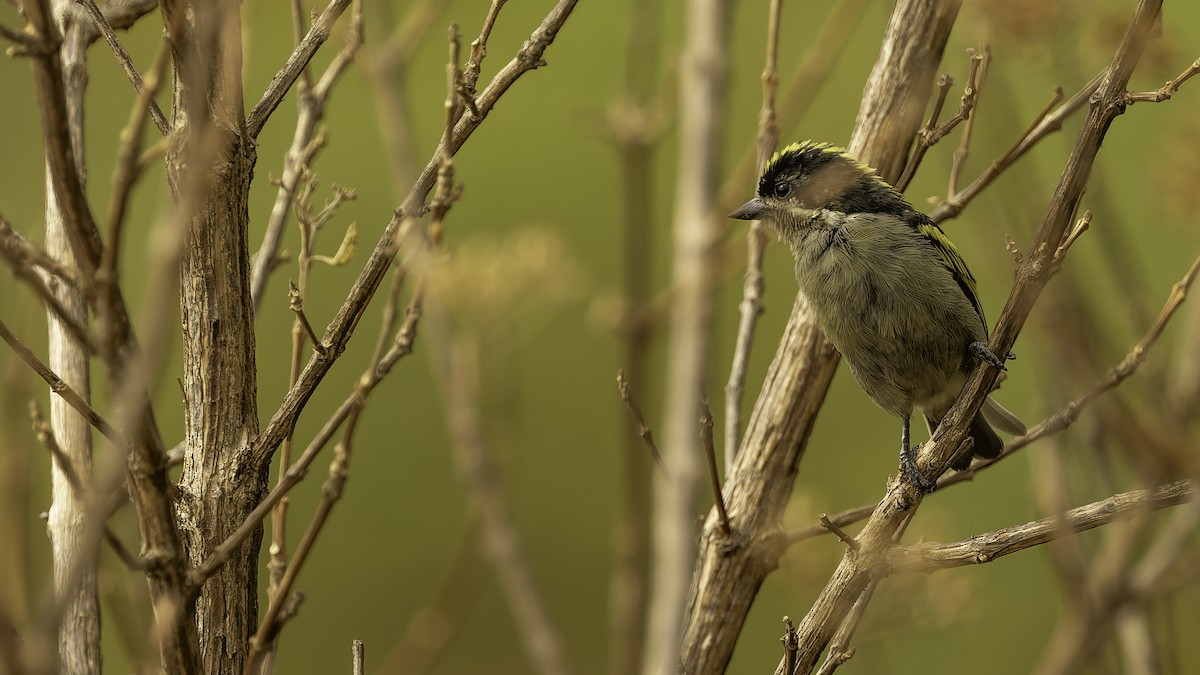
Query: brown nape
[[828, 182]]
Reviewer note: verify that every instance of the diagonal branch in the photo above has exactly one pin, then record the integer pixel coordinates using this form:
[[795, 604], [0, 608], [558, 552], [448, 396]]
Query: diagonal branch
[[338, 334], [984, 548], [296, 63]]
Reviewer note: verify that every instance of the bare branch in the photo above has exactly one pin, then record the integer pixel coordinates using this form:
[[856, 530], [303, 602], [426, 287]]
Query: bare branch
[[131, 72], [756, 241], [1165, 92], [643, 429], [338, 333], [983, 548], [706, 438], [296, 63], [61, 388]]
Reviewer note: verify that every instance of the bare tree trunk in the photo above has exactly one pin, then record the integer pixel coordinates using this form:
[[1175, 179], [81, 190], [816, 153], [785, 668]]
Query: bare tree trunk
[[701, 90], [210, 166], [79, 630]]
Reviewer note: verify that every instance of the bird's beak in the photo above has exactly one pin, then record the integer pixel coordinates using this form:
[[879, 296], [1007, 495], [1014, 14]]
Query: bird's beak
[[751, 210]]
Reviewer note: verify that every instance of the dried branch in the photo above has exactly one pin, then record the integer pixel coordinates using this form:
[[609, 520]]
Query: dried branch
[[296, 64], [756, 241], [702, 86], [61, 388], [338, 334], [311, 102], [131, 72], [924, 134], [714, 478], [983, 548], [501, 545], [1048, 121], [1165, 92], [979, 68], [639, 422]]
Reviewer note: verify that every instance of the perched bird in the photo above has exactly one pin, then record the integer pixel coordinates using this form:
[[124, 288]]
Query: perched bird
[[887, 287]]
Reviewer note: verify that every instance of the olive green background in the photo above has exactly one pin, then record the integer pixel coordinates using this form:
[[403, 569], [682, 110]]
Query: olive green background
[[550, 397]]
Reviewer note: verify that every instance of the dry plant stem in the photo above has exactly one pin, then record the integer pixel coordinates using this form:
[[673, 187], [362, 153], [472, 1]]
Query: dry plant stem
[[1165, 92], [21, 253], [135, 78], [340, 329], [311, 102], [706, 438], [756, 240], [331, 493], [401, 347], [979, 68], [120, 15], [77, 402], [932, 556], [40, 286], [147, 477], [854, 572], [924, 137], [1047, 122], [81, 490], [636, 140], [729, 572], [475, 460], [295, 65], [358, 657], [474, 63], [839, 651], [702, 82], [639, 422]]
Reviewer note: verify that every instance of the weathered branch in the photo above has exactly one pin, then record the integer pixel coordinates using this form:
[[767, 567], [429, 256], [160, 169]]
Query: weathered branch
[[984, 548]]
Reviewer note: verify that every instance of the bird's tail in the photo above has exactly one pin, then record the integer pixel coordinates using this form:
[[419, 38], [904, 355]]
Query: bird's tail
[[987, 444]]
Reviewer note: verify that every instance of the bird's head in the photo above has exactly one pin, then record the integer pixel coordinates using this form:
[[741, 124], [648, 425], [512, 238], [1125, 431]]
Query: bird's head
[[808, 177]]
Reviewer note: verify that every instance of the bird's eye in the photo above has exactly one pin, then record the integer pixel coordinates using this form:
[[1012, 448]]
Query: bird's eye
[[781, 189]]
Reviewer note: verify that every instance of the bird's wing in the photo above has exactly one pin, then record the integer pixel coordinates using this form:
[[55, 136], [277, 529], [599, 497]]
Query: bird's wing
[[954, 262]]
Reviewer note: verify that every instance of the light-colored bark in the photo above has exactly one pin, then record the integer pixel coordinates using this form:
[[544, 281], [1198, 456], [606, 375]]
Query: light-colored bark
[[701, 93], [79, 628]]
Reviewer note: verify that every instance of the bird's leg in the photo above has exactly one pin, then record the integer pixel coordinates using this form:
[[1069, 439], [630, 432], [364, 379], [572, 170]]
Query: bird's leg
[[908, 462], [980, 351]]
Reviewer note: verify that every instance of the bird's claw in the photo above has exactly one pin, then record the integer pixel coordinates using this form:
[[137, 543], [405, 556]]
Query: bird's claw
[[981, 352], [908, 466]]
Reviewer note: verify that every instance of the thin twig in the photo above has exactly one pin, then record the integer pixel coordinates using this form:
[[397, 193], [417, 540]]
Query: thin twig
[[317, 35], [1049, 120], [984, 548], [944, 83], [45, 435], [829, 525], [643, 429], [979, 68], [358, 657], [297, 305], [331, 494], [751, 306], [1165, 92], [706, 438], [61, 388], [342, 326], [126, 63]]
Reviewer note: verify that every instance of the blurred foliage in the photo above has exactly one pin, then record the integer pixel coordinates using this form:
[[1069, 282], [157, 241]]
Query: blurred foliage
[[537, 162]]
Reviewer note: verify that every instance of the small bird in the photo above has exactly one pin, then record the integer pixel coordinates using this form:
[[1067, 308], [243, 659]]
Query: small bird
[[887, 287]]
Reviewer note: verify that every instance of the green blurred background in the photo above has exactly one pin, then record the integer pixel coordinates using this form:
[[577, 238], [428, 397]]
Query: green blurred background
[[539, 171]]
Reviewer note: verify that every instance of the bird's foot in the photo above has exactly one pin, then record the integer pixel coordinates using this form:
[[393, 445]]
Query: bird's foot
[[980, 351], [908, 466]]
